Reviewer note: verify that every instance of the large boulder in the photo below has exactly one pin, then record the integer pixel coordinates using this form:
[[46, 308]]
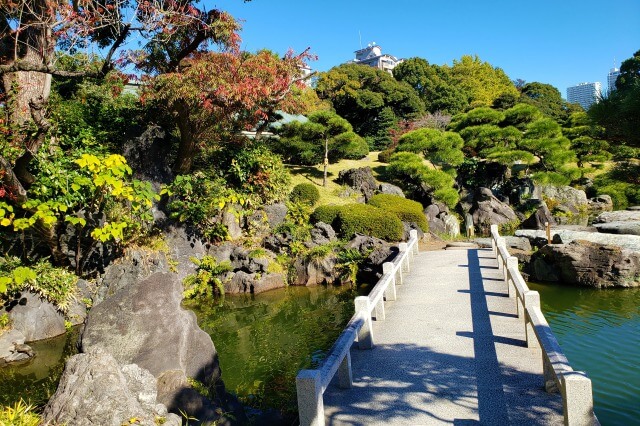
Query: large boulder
[[147, 155], [316, 271], [618, 216], [134, 266], [539, 217], [184, 244], [565, 198], [387, 188], [487, 210], [565, 236], [361, 180], [586, 263], [626, 227], [35, 317], [240, 282], [378, 252], [441, 222], [322, 233], [144, 324], [601, 203], [95, 390], [276, 214]]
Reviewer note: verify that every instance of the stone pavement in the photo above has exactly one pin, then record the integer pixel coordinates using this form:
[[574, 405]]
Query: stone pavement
[[451, 351]]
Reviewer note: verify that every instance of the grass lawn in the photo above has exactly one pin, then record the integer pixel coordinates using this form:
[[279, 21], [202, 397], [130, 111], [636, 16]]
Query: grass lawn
[[331, 194]]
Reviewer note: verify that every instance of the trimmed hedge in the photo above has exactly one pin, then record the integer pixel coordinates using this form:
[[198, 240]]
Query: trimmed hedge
[[326, 214], [360, 218], [406, 210], [305, 193], [368, 220]]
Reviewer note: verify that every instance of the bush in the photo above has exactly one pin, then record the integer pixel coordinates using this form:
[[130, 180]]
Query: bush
[[305, 193], [385, 156], [406, 210], [326, 214], [368, 220]]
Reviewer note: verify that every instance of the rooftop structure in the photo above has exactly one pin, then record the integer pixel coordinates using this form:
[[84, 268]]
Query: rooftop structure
[[372, 56]]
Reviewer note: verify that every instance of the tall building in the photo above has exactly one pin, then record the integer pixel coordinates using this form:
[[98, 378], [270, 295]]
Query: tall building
[[373, 57], [584, 94], [611, 79]]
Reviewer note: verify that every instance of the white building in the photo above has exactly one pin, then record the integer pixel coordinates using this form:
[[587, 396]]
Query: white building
[[584, 94], [373, 57], [611, 79]]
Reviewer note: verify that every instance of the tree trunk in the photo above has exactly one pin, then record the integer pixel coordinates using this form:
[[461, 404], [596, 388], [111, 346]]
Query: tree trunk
[[27, 92], [326, 161], [188, 144]]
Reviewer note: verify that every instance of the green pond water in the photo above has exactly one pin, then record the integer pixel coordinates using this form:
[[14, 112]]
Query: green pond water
[[599, 331], [263, 340], [36, 380]]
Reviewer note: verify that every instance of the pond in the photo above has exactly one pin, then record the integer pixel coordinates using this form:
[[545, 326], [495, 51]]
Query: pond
[[599, 331], [35, 380], [263, 340]]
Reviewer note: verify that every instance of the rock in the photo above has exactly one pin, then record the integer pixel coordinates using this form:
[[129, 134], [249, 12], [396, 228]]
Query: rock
[[487, 210], [257, 223], [618, 216], [601, 203], [230, 220], [630, 242], [222, 252], [241, 282], [278, 243], [634, 208], [77, 311], [184, 244], [35, 318], [94, 390], [440, 221], [361, 180], [276, 214], [370, 270], [539, 218], [565, 198], [587, 263], [629, 228], [147, 155], [323, 234], [410, 226], [12, 347], [310, 272], [134, 266], [517, 243], [144, 324], [387, 188]]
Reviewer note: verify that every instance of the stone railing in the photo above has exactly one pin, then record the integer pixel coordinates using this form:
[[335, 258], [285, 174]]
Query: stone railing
[[575, 386], [311, 384]]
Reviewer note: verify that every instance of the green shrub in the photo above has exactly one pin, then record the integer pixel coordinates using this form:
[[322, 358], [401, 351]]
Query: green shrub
[[305, 193], [385, 156], [326, 214], [368, 220], [406, 210]]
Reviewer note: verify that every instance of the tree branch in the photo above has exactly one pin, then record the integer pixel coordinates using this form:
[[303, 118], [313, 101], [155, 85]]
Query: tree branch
[[9, 180], [46, 69], [108, 65]]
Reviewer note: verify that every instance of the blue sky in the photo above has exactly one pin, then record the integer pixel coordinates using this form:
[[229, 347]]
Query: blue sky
[[560, 42]]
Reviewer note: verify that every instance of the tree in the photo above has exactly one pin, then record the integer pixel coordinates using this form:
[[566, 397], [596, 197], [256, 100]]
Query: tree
[[586, 139], [431, 84], [483, 82], [366, 96], [214, 96], [547, 99], [325, 137], [30, 31], [629, 72], [441, 148]]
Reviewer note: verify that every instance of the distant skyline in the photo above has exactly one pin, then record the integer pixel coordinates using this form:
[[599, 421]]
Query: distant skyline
[[559, 43]]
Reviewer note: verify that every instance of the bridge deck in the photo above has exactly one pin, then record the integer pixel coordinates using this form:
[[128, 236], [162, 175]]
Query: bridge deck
[[451, 351]]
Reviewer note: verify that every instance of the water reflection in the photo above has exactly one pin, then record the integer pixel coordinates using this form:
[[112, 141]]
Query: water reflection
[[263, 340], [599, 330]]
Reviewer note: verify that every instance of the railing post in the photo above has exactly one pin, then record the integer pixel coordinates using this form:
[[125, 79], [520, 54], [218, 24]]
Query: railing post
[[548, 376], [577, 399], [500, 242], [390, 292], [310, 403], [511, 262], [345, 378], [379, 308], [531, 300], [494, 246], [403, 248], [414, 234], [365, 335]]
